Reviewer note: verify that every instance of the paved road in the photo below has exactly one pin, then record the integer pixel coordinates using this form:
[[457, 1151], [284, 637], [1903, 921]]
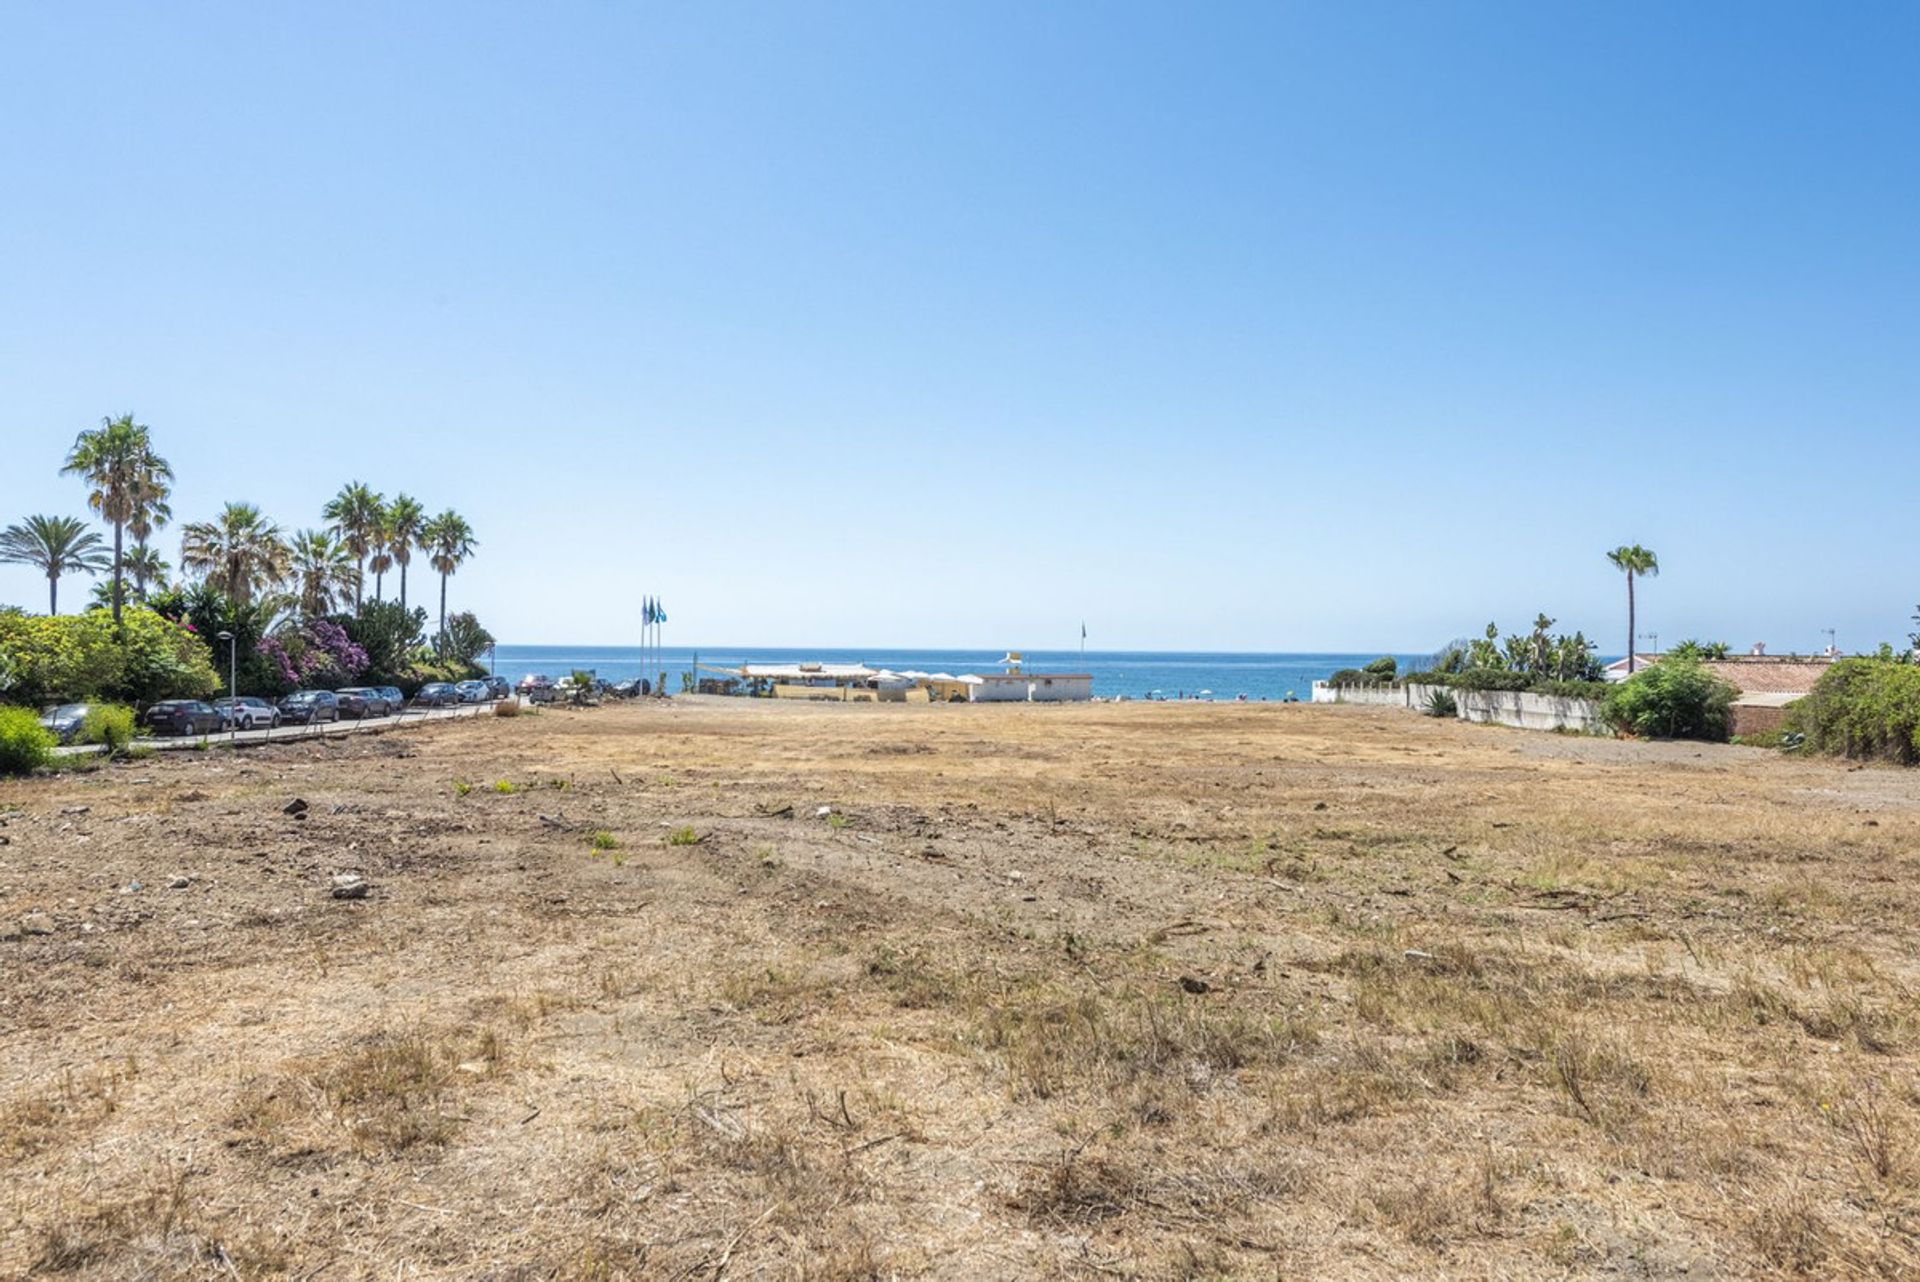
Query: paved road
[[285, 734]]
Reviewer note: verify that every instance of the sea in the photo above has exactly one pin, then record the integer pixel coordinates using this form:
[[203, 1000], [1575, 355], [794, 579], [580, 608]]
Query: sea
[[1115, 673]]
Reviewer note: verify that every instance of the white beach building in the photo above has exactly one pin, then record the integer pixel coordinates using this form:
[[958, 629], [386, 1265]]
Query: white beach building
[[1030, 687]]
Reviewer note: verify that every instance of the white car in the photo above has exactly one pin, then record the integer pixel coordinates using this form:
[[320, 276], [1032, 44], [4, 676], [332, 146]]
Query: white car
[[248, 712]]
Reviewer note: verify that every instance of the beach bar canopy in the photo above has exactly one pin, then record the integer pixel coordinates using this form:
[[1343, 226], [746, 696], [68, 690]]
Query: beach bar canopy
[[801, 673]]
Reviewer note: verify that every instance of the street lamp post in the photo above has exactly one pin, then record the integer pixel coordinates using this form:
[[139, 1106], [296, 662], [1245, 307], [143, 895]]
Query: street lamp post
[[233, 687]]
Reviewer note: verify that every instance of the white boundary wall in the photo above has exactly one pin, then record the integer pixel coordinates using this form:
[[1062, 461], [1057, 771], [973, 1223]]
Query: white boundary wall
[[1514, 708], [1382, 696]]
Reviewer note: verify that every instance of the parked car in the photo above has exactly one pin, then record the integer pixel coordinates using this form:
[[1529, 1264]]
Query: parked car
[[500, 686], [545, 692], [310, 707], [395, 699], [533, 681], [249, 712], [435, 694], [183, 716], [372, 702], [473, 691], [65, 721]]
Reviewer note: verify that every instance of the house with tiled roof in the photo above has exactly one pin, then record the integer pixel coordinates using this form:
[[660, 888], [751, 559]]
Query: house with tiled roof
[[1766, 683]]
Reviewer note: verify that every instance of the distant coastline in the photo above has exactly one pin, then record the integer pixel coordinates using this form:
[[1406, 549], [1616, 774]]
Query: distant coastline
[[1116, 673]]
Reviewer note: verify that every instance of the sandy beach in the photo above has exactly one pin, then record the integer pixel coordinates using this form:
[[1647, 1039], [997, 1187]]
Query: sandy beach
[[749, 989]]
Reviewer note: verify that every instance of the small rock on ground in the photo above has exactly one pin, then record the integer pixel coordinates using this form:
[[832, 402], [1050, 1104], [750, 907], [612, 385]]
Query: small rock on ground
[[350, 885]]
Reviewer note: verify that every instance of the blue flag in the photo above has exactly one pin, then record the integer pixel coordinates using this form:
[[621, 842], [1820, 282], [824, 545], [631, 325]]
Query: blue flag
[[659, 614]]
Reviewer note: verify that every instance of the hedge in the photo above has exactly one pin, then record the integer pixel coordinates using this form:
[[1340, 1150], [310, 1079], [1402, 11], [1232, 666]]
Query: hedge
[[1502, 679], [1862, 708], [59, 658]]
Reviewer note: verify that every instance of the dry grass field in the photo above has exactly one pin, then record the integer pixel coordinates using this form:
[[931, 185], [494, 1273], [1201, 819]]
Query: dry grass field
[[1106, 991]]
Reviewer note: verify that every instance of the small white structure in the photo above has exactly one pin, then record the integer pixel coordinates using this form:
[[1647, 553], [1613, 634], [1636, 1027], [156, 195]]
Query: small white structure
[[1018, 686], [1031, 687], [1617, 670]]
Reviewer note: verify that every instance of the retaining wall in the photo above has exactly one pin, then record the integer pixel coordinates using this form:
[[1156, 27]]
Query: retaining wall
[[1514, 708]]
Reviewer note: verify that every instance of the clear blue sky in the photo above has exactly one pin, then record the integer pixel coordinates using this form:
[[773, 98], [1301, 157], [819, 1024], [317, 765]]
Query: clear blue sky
[[1233, 327]]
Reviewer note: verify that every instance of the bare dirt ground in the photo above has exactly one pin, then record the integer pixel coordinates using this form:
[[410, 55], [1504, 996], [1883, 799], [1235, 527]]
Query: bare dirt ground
[[1096, 991]]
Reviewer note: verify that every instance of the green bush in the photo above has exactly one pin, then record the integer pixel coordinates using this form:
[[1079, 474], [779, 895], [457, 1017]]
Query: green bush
[[1862, 708], [25, 744], [110, 725], [465, 640], [1358, 677], [389, 634], [1386, 667], [1594, 690], [61, 658], [424, 670], [1672, 699], [1441, 703], [1499, 679], [1490, 679]]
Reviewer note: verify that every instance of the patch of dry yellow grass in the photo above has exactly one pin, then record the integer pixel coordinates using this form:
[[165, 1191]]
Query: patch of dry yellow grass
[[1102, 991]]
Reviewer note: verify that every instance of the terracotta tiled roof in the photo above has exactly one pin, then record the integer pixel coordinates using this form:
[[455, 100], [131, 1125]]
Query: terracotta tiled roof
[[1768, 675]]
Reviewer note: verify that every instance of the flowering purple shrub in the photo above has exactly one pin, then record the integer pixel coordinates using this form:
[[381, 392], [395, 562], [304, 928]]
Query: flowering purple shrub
[[318, 654], [331, 640]]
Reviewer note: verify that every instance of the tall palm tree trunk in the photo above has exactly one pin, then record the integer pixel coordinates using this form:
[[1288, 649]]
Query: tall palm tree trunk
[[403, 585], [1632, 626], [53, 593], [443, 612], [118, 528]]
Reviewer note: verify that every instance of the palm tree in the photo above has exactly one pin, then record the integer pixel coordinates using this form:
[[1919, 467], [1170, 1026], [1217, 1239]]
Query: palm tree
[[153, 486], [450, 541], [380, 558], [147, 566], [1631, 561], [57, 545], [357, 515], [405, 519], [129, 482], [240, 552], [323, 571]]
